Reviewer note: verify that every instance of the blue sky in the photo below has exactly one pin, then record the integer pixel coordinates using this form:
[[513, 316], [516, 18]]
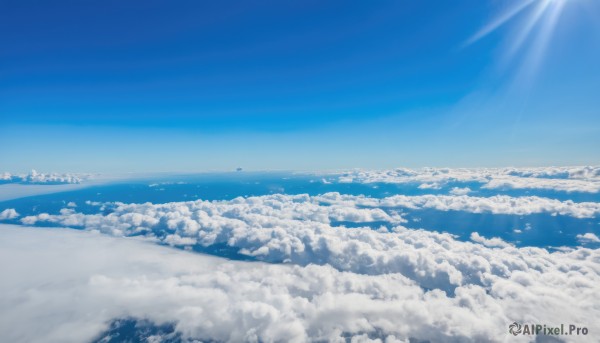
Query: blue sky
[[194, 86]]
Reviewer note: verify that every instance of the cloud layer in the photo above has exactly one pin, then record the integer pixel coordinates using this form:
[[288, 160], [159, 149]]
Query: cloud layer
[[332, 275], [567, 179], [300, 229], [208, 298]]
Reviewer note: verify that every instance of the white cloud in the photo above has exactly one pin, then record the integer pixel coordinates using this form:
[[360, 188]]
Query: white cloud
[[568, 179], [211, 298], [492, 242], [298, 229], [35, 177], [566, 185], [425, 175], [587, 172], [588, 238], [8, 213], [499, 204], [432, 185], [460, 191]]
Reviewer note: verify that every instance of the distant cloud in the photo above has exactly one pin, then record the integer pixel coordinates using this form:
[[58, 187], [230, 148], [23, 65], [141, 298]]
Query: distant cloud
[[566, 185], [9, 213], [40, 178], [498, 204], [582, 173], [567, 179], [5, 176]]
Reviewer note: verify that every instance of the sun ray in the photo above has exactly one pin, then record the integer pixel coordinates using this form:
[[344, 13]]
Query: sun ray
[[531, 35], [525, 32], [540, 44], [491, 27]]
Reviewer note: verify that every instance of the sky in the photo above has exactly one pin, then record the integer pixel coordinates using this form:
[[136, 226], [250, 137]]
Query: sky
[[187, 86]]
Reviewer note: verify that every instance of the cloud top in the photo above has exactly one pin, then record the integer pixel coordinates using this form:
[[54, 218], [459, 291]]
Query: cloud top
[[566, 179], [304, 230], [209, 298]]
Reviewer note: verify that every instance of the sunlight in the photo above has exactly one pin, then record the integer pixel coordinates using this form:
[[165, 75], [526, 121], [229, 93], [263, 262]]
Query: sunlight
[[536, 23], [540, 13], [498, 22]]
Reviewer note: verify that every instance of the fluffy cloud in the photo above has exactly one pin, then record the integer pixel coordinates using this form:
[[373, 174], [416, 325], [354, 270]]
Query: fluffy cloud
[[422, 176], [498, 204], [588, 238], [587, 172], [208, 298], [568, 179], [300, 229], [492, 242], [9, 213], [566, 185], [433, 185], [41, 178], [460, 191]]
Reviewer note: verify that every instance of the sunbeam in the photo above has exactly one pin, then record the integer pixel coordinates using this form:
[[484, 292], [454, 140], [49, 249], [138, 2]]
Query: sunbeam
[[531, 35], [496, 23], [550, 13], [525, 31]]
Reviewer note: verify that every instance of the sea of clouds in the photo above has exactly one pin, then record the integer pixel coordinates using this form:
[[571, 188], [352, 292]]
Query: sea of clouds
[[315, 277], [80, 281]]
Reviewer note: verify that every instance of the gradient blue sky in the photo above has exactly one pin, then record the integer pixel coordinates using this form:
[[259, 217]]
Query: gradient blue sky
[[114, 86]]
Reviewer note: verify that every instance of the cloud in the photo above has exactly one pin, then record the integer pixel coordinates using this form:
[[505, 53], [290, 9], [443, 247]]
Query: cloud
[[566, 179], [34, 177], [425, 175], [460, 191], [588, 238], [492, 242], [302, 230], [499, 204], [208, 298], [430, 186], [566, 185], [8, 213], [587, 172]]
